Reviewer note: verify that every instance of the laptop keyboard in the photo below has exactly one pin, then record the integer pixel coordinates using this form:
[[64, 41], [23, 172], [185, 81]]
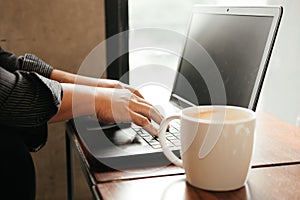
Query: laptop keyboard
[[172, 135]]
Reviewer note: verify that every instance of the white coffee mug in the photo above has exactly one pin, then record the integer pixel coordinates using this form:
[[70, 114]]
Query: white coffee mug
[[217, 144]]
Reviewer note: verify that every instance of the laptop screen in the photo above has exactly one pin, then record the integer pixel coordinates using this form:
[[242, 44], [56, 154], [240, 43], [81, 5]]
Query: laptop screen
[[224, 49]]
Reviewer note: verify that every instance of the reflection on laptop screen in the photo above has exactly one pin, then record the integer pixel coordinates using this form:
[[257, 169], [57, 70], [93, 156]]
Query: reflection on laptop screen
[[235, 44]]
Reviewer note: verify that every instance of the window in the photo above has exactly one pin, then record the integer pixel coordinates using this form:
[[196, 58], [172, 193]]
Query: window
[[157, 22]]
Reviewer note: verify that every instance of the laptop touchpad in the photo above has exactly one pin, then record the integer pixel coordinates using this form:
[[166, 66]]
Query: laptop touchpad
[[122, 134]]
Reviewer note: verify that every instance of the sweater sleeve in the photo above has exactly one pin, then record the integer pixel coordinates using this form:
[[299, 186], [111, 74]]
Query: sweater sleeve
[[29, 62], [32, 63], [27, 99]]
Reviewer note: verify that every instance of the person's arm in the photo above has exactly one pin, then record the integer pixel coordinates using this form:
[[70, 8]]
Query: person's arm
[[32, 63], [27, 99], [88, 96], [106, 104], [66, 77], [28, 62]]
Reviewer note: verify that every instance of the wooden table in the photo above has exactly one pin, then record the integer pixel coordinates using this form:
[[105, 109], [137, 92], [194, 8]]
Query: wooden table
[[277, 142], [280, 182], [275, 172]]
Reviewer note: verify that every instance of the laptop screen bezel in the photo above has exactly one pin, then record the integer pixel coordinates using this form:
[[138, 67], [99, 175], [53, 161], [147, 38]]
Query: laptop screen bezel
[[273, 11]]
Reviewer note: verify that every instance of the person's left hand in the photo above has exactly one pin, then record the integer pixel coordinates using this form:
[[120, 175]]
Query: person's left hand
[[66, 77]]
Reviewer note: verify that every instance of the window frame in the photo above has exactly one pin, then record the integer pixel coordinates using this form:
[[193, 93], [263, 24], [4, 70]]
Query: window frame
[[116, 21]]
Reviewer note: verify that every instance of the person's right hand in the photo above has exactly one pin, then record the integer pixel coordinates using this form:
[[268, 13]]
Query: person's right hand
[[108, 105], [121, 105]]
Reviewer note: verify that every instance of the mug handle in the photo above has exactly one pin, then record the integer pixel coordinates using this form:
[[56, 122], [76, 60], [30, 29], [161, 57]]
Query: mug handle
[[163, 142]]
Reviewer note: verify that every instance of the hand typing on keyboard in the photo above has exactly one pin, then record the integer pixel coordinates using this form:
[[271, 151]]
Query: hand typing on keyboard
[[120, 105], [172, 135]]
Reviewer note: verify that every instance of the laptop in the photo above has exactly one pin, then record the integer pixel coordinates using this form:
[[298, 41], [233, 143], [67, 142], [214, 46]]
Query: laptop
[[223, 62]]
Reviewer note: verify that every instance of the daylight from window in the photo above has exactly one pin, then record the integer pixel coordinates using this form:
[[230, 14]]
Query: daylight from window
[[169, 15], [156, 23]]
